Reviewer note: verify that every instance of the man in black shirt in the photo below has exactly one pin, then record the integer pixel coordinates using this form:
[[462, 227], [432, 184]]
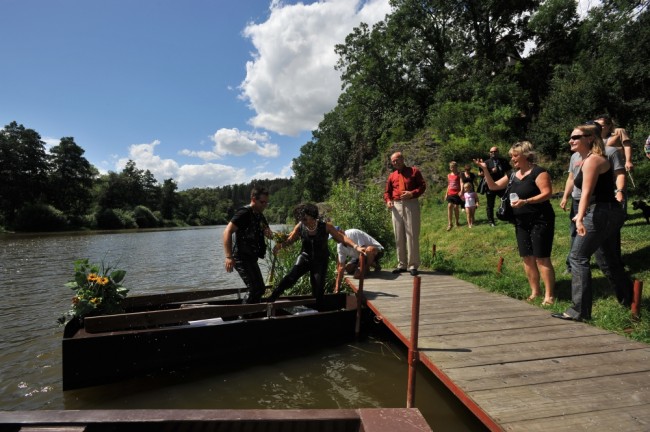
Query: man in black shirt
[[498, 167], [249, 227]]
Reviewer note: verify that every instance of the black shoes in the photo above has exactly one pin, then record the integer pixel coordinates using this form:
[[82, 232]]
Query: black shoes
[[565, 316], [414, 272]]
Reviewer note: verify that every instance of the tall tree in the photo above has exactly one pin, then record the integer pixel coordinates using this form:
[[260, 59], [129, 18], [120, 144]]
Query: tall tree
[[23, 169], [71, 177]]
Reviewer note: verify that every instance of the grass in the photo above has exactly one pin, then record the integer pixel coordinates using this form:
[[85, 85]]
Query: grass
[[473, 255]]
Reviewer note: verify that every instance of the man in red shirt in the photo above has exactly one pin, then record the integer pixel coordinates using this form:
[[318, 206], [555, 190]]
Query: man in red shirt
[[403, 187]]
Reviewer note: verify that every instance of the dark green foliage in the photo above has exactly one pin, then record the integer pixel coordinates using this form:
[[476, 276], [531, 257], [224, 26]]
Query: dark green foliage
[[144, 218], [40, 217], [361, 208], [115, 219]]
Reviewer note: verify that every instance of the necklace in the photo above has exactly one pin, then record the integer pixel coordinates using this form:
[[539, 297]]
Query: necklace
[[311, 229]]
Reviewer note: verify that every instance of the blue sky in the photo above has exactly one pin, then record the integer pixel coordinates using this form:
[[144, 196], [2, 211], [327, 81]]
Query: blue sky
[[207, 92]]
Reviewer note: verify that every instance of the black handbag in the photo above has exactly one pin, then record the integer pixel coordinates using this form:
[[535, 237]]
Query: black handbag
[[505, 212]]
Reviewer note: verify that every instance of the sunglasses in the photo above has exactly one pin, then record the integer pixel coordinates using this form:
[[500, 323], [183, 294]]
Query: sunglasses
[[577, 137]]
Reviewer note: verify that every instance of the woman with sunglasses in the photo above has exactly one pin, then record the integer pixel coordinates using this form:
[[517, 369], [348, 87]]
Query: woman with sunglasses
[[534, 216], [598, 220], [314, 255]]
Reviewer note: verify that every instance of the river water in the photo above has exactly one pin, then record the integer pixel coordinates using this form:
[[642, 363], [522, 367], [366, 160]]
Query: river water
[[35, 267]]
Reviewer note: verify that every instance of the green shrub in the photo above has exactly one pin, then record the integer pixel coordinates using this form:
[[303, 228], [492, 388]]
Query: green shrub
[[115, 219], [144, 218], [40, 217]]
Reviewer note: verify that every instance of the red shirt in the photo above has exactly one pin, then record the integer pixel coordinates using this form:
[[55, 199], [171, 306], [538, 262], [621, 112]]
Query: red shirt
[[413, 182]]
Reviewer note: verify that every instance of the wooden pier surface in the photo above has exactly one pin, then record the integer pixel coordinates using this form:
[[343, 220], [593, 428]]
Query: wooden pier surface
[[511, 363]]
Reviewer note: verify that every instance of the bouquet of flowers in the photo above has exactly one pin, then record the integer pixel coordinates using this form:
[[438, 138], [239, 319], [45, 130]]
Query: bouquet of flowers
[[97, 290]]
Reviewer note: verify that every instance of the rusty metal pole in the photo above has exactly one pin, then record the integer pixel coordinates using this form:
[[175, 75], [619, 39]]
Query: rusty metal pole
[[359, 294], [636, 298], [500, 265], [413, 343]]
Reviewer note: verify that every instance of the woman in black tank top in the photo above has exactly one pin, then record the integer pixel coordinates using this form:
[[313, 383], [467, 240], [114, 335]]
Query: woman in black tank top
[[598, 222], [314, 254], [534, 217]]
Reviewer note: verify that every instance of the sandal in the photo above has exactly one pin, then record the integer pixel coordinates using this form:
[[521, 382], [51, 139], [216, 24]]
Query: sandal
[[448, 227]]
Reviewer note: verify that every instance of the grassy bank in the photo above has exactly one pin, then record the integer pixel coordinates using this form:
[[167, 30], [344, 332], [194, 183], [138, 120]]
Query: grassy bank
[[473, 255]]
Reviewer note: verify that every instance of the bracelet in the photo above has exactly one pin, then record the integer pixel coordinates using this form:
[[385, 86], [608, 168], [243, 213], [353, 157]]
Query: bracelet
[[618, 190], [228, 257]]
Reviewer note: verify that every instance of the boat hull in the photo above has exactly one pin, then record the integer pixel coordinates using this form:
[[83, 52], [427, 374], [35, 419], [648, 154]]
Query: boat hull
[[100, 358]]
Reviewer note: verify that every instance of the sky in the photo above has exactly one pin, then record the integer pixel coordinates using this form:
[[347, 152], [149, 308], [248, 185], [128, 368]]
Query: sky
[[207, 92]]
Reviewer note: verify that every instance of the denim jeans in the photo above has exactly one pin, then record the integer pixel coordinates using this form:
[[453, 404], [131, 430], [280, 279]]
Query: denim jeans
[[602, 222]]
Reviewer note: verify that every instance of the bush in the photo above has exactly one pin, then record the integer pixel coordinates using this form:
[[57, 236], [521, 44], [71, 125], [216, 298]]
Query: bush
[[362, 209], [115, 219], [144, 218], [40, 217]]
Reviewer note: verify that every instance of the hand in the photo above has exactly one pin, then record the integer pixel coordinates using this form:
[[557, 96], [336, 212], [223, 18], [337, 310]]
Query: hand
[[563, 203], [389, 204], [580, 228], [479, 162], [629, 166], [230, 264], [407, 195]]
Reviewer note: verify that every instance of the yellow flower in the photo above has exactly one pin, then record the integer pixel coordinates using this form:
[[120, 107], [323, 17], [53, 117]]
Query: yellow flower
[[95, 300], [102, 280], [92, 277]]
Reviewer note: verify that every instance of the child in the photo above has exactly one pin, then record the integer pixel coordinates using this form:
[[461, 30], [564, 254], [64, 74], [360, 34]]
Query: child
[[452, 196], [471, 202]]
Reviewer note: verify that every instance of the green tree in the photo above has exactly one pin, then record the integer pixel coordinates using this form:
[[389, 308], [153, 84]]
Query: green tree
[[23, 169], [169, 199], [70, 177]]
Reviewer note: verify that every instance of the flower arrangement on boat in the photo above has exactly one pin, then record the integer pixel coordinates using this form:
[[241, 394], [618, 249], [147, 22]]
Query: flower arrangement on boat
[[97, 290]]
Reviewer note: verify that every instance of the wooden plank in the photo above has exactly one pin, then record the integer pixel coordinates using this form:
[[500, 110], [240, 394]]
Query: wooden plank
[[136, 320], [512, 364], [175, 297]]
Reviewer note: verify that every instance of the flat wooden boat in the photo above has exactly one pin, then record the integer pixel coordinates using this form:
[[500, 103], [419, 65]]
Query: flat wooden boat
[[312, 420], [166, 332]]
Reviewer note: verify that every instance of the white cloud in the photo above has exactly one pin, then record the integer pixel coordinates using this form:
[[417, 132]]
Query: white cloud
[[190, 175], [291, 82], [237, 143]]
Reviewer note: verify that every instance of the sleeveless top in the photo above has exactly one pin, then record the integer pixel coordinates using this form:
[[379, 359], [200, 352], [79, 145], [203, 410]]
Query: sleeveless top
[[604, 189], [453, 184], [527, 188], [315, 246]]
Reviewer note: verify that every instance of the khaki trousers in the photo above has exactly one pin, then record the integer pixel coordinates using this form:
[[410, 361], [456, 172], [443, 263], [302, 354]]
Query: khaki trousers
[[406, 226]]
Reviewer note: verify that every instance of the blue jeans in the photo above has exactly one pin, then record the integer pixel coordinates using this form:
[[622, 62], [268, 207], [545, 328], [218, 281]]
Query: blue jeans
[[602, 222]]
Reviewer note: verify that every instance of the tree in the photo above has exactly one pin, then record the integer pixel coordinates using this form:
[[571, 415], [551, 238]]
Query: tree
[[168, 199], [23, 169], [71, 178]]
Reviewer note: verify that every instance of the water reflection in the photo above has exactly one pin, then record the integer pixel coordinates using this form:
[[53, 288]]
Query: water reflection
[[34, 269]]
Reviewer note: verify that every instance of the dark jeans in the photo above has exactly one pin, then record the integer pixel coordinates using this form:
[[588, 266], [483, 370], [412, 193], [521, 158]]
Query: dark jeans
[[251, 274], [317, 276], [572, 232], [491, 197], [602, 222]]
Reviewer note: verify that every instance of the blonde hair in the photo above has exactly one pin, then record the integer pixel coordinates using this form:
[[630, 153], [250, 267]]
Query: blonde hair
[[525, 149], [597, 145], [468, 186], [453, 164]]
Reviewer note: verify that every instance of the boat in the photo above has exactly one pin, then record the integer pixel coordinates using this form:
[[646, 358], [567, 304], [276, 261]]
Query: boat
[[314, 420], [161, 333]]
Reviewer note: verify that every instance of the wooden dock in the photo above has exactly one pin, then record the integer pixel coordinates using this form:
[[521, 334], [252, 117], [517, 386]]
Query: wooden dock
[[513, 365]]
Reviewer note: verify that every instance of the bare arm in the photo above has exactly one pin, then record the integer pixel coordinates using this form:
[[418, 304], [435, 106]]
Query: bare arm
[[227, 245], [568, 188], [492, 185]]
